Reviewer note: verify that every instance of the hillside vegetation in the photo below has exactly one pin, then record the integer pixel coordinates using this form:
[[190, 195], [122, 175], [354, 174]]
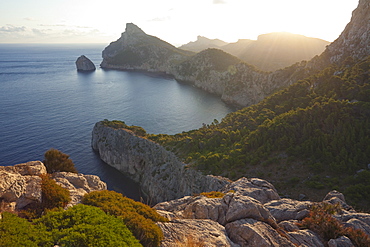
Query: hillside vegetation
[[311, 137]]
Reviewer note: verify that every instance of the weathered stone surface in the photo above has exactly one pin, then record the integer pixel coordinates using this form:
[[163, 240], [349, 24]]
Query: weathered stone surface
[[222, 210], [162, 176], [259, 189], [305, 238], [84, 64], [343, 241], [288, 209], [289, 226], [186, 232], [335, 197], [250, 232], [31, 168], [241, 207], [21, 184], [78, 184]]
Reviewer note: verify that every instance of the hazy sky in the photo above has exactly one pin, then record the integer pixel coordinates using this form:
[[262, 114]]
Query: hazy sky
[[175, 21]]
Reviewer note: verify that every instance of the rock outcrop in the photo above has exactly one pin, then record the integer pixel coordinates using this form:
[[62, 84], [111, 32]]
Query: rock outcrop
[[20, 184], [84, 64], [161, 174], [245, 221], [225, 75]]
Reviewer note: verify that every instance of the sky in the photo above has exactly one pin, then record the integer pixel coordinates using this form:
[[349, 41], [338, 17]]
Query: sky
[[175, 21]]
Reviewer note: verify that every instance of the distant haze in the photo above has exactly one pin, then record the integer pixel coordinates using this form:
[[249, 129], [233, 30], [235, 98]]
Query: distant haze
[[269, 52], [178, 22]]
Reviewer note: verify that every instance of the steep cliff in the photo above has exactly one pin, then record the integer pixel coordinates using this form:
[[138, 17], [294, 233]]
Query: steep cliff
[[135, 50], [238, 83], [162, 176]]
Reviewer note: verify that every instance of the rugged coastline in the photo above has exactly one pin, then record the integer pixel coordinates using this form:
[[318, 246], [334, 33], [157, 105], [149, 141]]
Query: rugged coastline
[[162, 176]]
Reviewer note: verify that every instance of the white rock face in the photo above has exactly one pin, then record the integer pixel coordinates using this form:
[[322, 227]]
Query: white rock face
[[188, 232], [84, 64], [21, 184], [162, 176]]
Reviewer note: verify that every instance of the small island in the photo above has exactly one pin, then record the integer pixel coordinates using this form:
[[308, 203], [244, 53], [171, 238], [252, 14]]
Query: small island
[[84, 64]]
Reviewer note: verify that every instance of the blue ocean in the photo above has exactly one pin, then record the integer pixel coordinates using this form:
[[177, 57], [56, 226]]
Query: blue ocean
[[45, 103]]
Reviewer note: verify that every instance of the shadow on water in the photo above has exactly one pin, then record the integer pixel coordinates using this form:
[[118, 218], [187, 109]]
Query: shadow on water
[[118, 181]]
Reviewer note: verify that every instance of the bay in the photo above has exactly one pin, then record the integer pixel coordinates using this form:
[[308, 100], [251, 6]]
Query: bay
[[45, 103]]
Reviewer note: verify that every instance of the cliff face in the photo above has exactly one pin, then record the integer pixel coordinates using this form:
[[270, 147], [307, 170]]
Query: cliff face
[[237, 83], [20, 185], [162, 176]]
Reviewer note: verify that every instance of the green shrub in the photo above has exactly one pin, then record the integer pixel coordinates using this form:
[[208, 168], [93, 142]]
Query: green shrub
[[52, 194], [16, 232], [138, 217], [56, 161], [84, 225]]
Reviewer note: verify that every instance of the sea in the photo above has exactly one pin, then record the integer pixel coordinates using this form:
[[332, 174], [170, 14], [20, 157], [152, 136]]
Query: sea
[[45, 103]]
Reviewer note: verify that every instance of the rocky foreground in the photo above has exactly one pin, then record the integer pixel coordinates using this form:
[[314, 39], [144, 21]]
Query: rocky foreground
[[20, 185], [250, 214]]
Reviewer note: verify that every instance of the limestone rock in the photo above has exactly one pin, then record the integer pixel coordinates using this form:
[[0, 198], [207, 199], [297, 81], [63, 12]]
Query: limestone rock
[[305, 238], [21, 184], [288, 209], [222, 210], [250, 232], [289, 226], [161, 174], [186, 232], [256, 188], [84, 64], [343, 241], [78, 184]]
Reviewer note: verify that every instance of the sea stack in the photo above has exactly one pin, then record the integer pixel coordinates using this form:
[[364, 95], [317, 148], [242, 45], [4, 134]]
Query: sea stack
[[84, 64]]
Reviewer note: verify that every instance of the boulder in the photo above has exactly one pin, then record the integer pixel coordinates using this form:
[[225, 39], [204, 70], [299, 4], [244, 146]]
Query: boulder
[[288, 209], [305, 238], [84, 64], [192, 232], [343, 241], [78, 184], [21, 184], [250, 232], [256, 188]]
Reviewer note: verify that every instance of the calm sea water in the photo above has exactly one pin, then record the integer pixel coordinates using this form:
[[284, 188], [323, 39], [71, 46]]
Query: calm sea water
[[45, 103]]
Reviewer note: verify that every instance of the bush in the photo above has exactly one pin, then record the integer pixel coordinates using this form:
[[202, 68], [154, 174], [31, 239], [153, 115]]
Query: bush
[[213, 194], [56, 161], [84, 225], [15, 231], [321, 221], [138, 217], [52, 194]]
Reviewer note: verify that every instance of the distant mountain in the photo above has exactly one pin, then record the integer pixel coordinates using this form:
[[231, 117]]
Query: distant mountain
[[269, 52], [203, 43], [239, 83], [275, 51], [135, 50]]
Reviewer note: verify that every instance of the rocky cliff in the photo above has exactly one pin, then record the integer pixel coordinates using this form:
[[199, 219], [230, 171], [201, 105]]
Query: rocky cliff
[[252, 214], [162, 176], [20, 185], [238, 83], [135, 50]]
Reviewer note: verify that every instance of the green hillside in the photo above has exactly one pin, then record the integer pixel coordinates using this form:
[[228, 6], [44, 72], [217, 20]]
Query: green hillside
[[309, 138]]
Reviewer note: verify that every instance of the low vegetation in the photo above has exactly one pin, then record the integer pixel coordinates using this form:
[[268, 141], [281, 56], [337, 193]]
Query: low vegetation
[[322, 222], [139, 218], [311, 137], [56, 161]]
